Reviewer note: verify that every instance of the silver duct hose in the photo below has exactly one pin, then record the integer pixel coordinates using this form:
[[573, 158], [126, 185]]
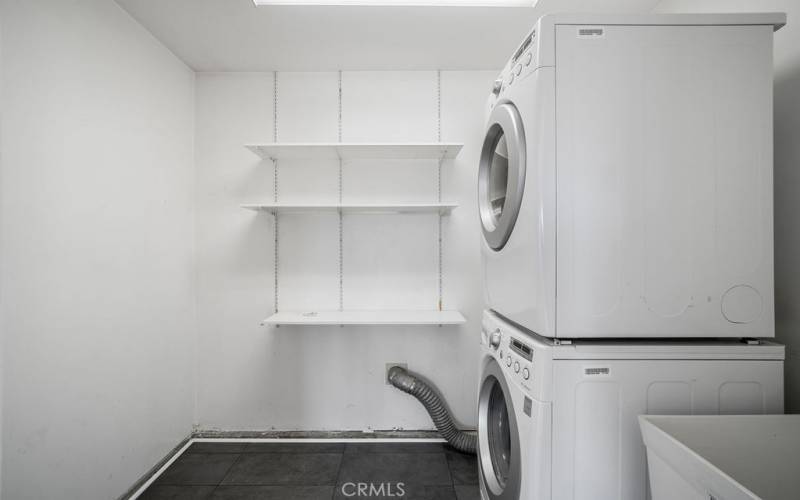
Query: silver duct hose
[[410, 384]]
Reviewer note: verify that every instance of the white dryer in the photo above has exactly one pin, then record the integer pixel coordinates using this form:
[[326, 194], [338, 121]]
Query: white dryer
[[559, 422], [625, 185]]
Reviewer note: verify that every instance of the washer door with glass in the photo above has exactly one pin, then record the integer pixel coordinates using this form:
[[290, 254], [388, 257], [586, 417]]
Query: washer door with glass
[[498, 438], [501, 177]]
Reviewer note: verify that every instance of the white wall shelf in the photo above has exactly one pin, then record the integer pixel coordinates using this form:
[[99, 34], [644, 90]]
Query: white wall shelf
[[388, 317], [356, 151], [437, 152], [363, 208]]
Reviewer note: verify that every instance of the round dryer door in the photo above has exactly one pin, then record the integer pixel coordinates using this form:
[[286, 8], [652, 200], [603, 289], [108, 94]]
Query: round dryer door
[[498, 438], [501, 177]]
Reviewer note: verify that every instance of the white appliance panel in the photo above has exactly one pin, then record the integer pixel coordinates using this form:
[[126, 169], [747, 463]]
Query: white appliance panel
[[580, 438], [599, 453], [529, 256], [664, 181], [647, 205]]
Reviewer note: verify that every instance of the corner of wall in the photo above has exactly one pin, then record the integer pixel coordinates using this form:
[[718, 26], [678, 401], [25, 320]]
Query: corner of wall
[[2, 238]]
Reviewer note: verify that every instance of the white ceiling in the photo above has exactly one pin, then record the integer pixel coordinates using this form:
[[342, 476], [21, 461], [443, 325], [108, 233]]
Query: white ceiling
[[235, 35]]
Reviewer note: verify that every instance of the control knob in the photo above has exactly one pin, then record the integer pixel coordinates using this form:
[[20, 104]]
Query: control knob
[[497, 86], [495, 338]]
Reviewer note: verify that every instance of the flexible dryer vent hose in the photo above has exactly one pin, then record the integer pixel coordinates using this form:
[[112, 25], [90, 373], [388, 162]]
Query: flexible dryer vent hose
[[410, 384]]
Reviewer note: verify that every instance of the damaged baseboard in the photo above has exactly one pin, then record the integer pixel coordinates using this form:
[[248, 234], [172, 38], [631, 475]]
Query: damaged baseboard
[[156, 470]]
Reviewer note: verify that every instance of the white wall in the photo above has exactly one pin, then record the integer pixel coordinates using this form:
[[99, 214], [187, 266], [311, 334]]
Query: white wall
[[97, 235], [2, 336], [255, 378], [787, 173]]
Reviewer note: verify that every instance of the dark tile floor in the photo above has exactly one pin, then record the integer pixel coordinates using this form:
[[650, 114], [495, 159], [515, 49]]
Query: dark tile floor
[[316, 471]]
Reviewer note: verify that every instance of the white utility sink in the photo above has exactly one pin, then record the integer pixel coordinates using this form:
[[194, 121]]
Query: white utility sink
[[723, 457]]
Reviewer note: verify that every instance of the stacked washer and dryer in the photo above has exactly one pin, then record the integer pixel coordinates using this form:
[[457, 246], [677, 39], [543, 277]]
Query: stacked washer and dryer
[[625, 194]]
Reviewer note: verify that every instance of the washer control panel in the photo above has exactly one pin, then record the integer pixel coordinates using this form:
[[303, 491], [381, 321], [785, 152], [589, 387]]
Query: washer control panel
[[525, 359], [513, 354]]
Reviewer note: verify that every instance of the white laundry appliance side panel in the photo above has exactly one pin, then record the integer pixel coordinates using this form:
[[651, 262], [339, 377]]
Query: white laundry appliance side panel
[[536, 447], [520, 279], [598, 452], [664, 147]]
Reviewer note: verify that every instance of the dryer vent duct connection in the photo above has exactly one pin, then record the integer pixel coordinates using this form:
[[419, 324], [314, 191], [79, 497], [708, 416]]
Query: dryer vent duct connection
[[408, 383]]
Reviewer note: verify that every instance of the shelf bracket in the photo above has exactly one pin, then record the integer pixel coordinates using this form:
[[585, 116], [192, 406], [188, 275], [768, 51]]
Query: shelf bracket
[[276, 228], [341, 215], [439, 182]]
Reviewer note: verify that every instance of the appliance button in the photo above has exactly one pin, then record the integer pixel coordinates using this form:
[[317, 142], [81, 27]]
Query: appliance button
[[508, 360], [511, 78], [516, 367], [518, 70], [501, 354], [528, 59], [526, 374]]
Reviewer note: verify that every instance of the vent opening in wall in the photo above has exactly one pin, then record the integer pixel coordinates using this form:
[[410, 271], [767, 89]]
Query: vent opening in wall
[[590, 32]]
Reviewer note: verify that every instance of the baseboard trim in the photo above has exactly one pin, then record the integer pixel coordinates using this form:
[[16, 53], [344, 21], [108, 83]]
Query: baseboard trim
[[151, 475], [305, 435]]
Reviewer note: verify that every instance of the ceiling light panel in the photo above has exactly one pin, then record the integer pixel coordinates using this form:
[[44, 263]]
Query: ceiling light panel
[[404, 3]]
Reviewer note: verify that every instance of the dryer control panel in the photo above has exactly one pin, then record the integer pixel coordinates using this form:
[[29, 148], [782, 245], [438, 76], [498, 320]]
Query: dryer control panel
[[524, 61]]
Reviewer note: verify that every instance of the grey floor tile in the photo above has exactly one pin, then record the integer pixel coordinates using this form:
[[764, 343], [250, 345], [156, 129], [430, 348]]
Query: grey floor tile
[[424, 469], [176, 492], [301, 469], [241, 492], [467, 492], [198, 468], [278, 447], [208, 447], [394, 448], [409, 492], [463, 467]]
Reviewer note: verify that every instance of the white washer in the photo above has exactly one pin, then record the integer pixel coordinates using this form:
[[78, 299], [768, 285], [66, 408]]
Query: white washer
[[627, 164], [559, 422]]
